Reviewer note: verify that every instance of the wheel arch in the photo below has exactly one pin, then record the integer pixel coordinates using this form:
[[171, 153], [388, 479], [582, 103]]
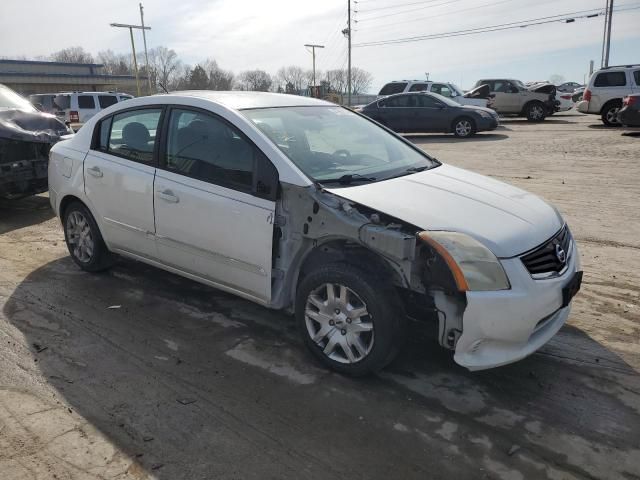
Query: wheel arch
[[529, 103], [608, 103]]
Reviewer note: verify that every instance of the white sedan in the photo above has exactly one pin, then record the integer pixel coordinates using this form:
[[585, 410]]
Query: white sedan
[[301, 205]]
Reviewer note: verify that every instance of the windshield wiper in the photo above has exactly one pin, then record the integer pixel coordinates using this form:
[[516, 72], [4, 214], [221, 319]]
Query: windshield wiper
[[417, 169], [348, 178]]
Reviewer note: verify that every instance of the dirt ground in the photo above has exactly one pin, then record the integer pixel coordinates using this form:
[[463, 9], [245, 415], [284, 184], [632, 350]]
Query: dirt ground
[[180, 381]]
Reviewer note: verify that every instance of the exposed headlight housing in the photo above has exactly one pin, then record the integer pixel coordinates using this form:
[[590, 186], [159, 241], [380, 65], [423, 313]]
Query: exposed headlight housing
[[473, 266]]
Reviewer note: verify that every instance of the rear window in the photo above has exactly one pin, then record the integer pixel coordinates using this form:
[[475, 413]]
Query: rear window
[[418, 87], [391, 88], [610, 79], [107, 100], [86, 101], [62, 102]]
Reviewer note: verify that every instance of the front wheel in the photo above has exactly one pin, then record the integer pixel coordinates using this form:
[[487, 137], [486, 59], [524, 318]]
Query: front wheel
[[352, 322], [535, 112], [610, 115], [464, 127]]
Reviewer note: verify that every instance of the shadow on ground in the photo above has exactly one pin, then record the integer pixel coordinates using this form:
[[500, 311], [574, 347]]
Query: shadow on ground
[[15, 214], [423, 138], [194, 383]]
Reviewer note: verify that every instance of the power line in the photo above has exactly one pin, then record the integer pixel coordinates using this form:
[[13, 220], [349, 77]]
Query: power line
[[366, 19], [567, 18], [395, 6]]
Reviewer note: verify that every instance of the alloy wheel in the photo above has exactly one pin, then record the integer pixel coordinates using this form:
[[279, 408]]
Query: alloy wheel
[[463, 128], [338, 322], [537, 112], [79, 237], [612, 115]]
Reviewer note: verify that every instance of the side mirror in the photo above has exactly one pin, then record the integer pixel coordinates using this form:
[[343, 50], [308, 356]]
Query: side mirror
[[266, 181]]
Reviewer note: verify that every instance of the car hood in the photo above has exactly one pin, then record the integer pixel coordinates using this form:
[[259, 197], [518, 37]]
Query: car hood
[[480, 109], [506, 219], [542, 87], [28, 126]]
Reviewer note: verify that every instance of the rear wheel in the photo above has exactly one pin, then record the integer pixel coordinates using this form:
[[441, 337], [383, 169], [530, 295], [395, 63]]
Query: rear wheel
[[610, 114], [83, 238], [352, 322], [464, 127], [535, 112]]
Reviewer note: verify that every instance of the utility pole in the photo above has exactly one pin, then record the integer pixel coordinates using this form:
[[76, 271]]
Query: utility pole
[[313, 51], [146, 54], [608, 27], [133, 49], [349, 53]]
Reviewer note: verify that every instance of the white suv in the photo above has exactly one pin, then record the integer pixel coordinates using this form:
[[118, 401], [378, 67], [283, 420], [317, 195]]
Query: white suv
[[446, 89], [75, 108], [607, 87]]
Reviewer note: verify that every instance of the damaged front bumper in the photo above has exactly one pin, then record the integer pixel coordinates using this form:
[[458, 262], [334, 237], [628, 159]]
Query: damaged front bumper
[[23, 168], [505, 326]]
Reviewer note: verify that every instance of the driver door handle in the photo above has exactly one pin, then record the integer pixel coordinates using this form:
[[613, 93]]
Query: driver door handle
[[95, 171], [168, 196]]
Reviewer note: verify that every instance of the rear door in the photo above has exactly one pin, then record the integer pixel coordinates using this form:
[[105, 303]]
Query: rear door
[[119, 171], [395, 112], [608, 85], [212, 220]]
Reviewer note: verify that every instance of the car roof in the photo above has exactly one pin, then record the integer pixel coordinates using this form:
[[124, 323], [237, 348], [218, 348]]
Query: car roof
[[239, 100]]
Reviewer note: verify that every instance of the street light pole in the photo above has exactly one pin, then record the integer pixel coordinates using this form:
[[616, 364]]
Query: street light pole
[[146, 54], [608, 47], [133, 48], [313, 52]]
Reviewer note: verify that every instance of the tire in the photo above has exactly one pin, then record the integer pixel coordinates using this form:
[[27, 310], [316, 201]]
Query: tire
[[535, 112], [609, 114], [84, 240], [464, 127], [361, 334]]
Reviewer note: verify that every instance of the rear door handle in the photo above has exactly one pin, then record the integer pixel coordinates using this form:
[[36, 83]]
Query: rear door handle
[[95, 171], [168, 196]]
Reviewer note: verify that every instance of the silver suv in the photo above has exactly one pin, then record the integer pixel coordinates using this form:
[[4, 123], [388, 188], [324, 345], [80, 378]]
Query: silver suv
[[512, 97], [607, 87]]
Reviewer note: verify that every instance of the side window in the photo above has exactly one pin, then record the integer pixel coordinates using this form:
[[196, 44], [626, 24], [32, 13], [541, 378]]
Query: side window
[[636, 76], [425, 101], [391, 88], [205, 147], [101, 135], [107, 100], [610, 79], [418, 87], [86, 101], [441, 89], [133, 134], [398, 102]]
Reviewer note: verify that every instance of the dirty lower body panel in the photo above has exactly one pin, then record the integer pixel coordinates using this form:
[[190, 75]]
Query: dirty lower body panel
[[23, 168]]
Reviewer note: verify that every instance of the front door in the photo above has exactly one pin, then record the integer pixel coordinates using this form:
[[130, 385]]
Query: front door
[[432, 115], [119, 171], [209, 222]]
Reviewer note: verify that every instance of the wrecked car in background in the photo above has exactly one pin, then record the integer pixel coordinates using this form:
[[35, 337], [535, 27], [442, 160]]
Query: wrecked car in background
[[26, 135], [512, 97], [298, 204]]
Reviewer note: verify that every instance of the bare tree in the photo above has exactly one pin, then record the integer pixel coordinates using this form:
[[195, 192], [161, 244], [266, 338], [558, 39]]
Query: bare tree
[[556, 79], [293, 78], [115, 63], [337, 80], [219, 79], [164, 65], [360, 81], [72, 55], [254, 80]]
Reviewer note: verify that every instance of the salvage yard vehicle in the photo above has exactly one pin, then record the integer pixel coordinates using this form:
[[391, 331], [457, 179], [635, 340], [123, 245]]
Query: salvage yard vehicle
[[430, 112], [629, 114], [606, 89], [446, 89], [26, 135], [298, 204], [75, 108], [512, 97]]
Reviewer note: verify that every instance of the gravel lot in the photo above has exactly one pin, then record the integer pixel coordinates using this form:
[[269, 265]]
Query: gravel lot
[[183, 382]]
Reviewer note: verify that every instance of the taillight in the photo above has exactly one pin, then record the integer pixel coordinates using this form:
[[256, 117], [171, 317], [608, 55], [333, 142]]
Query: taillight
[[587, 95], [74, 117], [565, 97], [630, 100]]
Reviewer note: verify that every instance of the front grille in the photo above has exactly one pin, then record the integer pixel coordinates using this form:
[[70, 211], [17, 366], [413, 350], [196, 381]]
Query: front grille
[[551, 257]]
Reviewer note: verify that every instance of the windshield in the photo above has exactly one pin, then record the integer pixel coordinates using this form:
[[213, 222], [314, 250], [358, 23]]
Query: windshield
[[10, 99], [330, 143], [456, 90], [446, 100], [519, 84]]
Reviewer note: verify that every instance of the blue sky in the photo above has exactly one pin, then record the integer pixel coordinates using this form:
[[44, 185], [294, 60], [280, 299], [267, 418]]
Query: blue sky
[[248, 34]]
